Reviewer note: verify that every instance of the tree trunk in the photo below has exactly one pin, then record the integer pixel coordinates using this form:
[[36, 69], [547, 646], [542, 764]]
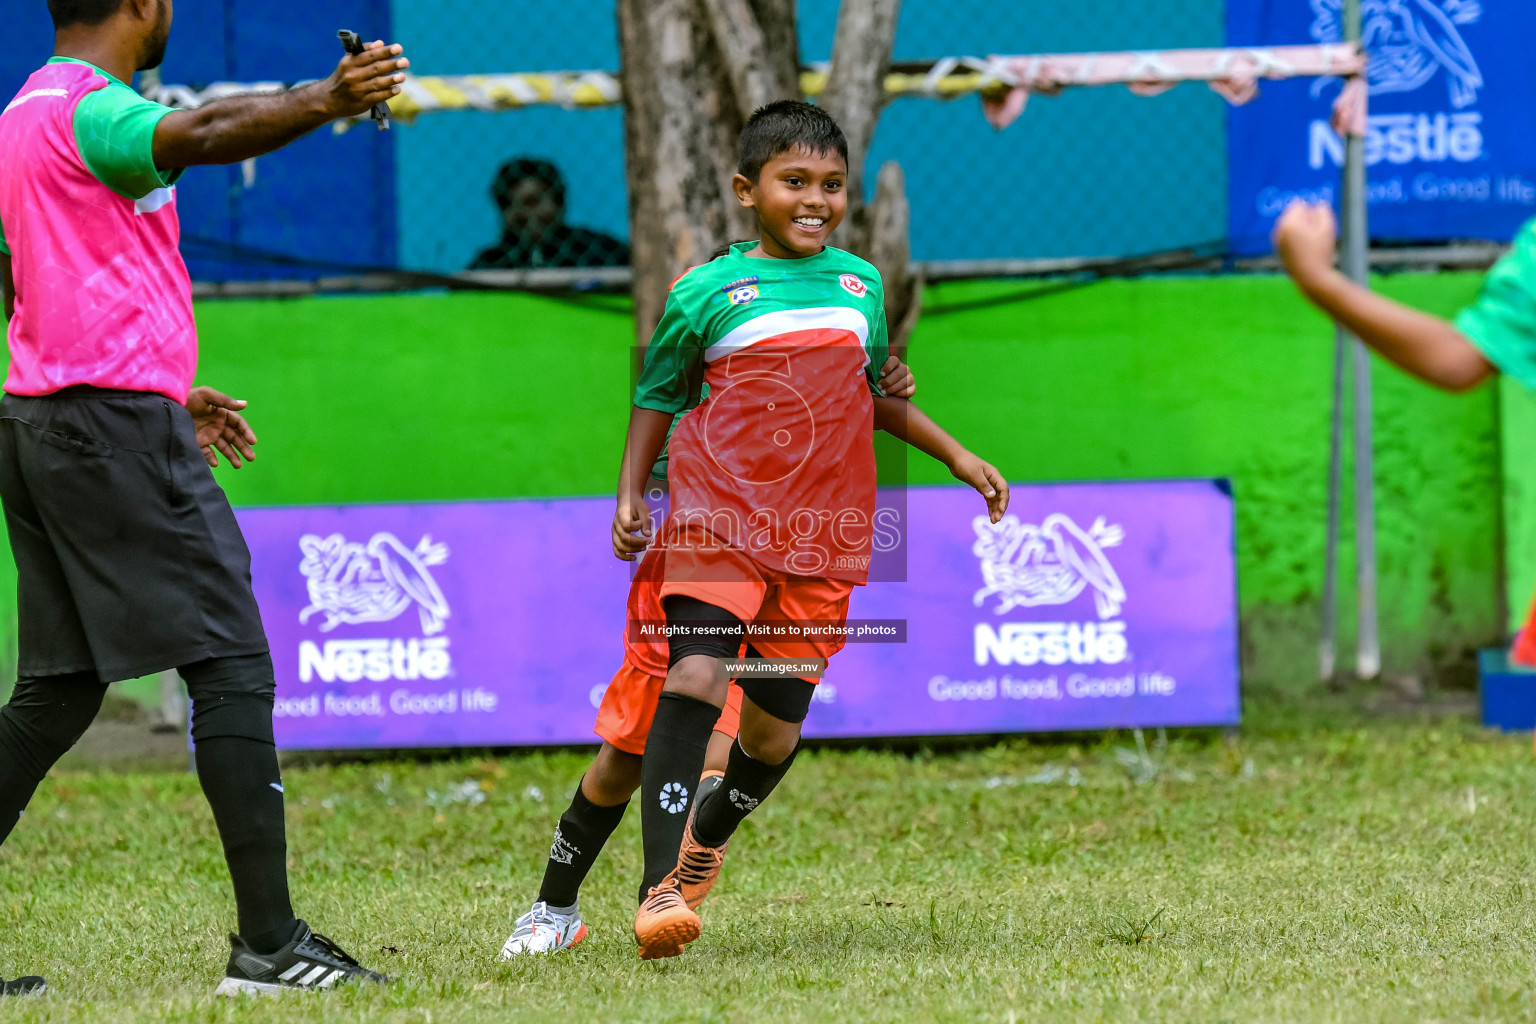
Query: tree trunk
[[693, 72], [681, 127], [855, 93], [763, 62], [855, 97]]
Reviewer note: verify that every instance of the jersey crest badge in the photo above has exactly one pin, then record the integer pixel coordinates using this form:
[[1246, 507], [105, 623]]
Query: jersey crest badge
[[853, 284], [741, 292]]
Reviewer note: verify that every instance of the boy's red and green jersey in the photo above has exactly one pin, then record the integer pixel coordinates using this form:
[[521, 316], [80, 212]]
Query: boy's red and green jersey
[[1502, 322], [774, 363]]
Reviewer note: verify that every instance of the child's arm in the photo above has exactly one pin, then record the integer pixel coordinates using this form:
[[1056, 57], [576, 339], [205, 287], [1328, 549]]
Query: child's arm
[[632, 519], [900, 418], [671, 377], [1426, 346]]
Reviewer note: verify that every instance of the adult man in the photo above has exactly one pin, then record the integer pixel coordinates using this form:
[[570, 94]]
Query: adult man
[[530, 194], [128, 557]]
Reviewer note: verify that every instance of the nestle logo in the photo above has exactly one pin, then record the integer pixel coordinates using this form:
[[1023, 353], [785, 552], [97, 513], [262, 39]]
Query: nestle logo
[[1404, 138], [1051, 643], [350, 661]]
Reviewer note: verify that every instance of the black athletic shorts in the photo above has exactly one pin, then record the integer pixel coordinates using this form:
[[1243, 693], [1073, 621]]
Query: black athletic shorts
[[128, 557]]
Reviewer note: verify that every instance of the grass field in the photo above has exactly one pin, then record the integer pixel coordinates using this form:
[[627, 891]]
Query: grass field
[[1333, 869]]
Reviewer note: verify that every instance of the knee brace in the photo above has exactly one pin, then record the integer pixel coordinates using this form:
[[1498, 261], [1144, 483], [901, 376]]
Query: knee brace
[[232, 697], [788, 700], [711, 630]]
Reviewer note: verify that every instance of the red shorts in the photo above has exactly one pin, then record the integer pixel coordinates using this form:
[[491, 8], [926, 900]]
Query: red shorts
[[726, 578], [629, 705]]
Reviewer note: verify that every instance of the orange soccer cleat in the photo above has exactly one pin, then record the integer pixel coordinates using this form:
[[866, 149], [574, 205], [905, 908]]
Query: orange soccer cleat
[[698, 866], [664, 924]]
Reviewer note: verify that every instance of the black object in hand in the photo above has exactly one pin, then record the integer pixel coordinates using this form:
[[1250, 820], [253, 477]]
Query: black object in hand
[[353, 44]]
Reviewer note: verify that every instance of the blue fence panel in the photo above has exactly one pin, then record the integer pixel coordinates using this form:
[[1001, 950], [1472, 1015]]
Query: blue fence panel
[[447, 161], [324, 203]]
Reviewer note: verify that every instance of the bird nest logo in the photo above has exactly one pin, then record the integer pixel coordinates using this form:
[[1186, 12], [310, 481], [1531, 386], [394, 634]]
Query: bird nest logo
[[1025, 565], [374, 582], [1409, 41]]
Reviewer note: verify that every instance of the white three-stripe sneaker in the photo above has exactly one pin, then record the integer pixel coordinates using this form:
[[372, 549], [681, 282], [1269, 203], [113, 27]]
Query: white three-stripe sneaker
[[543, 930], [309, 961]]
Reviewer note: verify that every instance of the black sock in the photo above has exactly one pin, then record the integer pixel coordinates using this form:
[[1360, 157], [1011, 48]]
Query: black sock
[[579, 838], [669, 773], [44, 718], [239, 778], [747, 783], [237, 766]]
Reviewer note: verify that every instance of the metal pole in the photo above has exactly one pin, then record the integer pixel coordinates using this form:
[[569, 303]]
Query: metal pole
[[1327, 658], [1353, 261]]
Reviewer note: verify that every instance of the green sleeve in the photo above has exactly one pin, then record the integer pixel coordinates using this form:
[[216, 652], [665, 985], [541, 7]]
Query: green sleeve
[[1502, 322], [673, 376], [879, 347], [115, 130], [4, 248]]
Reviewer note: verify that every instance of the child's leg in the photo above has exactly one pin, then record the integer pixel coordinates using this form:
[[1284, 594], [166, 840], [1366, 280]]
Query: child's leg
[[623, 721], [718, 751], [774, 709], [596, 809], [686, 713], [597, 806], [759, 758], [705, 608]]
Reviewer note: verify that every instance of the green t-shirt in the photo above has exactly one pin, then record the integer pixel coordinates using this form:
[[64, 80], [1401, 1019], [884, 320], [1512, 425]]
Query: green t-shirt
[[115, 131], [1502, 322], [710, 301]]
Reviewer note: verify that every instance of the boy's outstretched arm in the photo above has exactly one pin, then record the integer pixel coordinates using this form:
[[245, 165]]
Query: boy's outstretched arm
[[900, 418], [1426, 346], [632, 519]]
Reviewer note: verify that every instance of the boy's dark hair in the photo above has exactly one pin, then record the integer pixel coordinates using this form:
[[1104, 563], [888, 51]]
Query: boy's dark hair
[[782, 126], [82, 12]]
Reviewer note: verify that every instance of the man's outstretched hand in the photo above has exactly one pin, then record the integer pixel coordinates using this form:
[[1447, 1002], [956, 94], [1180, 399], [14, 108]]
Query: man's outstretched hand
[[220, 427], [363, 79]]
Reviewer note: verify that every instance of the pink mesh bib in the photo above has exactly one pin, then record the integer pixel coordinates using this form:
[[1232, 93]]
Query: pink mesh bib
[[102, 294]]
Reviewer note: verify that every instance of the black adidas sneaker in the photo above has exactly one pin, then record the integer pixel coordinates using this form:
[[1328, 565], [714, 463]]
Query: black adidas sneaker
[[31, 985], [309, 961]]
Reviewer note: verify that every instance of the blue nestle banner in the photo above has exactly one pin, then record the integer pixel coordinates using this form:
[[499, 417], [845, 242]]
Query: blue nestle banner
[[1451, 151]]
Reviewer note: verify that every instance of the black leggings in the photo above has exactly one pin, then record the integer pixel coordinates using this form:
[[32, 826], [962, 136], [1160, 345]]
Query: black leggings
[[43, 719], [236, 764]]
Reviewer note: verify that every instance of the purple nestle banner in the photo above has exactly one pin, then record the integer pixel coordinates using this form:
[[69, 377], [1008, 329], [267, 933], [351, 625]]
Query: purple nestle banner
[[1090, 606]]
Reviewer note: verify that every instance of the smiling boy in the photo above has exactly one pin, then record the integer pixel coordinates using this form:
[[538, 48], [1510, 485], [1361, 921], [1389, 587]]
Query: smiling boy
[[624, 719], [773, 493]]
